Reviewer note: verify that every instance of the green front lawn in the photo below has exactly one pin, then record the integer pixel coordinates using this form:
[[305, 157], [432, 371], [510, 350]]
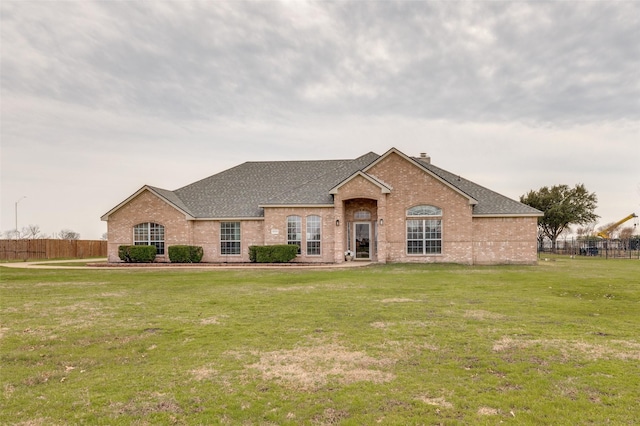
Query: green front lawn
[[557, 343]]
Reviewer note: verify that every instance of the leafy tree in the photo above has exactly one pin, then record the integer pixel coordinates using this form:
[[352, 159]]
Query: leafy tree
[[562, 206]]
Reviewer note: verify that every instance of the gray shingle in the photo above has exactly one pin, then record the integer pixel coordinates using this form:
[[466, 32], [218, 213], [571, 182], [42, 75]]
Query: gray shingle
[[489, 202], [240, 191]]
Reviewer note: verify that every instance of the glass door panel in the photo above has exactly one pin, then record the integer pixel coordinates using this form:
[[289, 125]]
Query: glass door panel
[[363, 240]]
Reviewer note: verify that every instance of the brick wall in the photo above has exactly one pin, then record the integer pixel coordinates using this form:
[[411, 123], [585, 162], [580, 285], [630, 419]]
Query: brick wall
[[465, 239], [275, 230], [505, 240], [206, 233], [146, 207], [411, 187]]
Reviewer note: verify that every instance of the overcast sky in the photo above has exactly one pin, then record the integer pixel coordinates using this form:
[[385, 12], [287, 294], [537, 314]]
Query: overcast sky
[[101, 98]]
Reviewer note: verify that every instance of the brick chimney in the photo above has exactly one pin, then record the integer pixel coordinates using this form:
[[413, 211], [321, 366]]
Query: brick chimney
[[425, 158]]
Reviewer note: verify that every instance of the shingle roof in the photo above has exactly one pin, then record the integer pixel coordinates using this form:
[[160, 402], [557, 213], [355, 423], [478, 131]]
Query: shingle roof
[[240, 192], [490, 203]]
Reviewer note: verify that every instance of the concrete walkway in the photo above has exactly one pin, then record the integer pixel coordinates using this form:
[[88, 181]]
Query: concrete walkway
[[55, 264]]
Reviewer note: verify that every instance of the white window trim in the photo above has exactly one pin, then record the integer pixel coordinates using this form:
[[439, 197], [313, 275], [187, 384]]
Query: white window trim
[[299, 241], [148, 241], [231, 241], [319, 240], [424, 218]]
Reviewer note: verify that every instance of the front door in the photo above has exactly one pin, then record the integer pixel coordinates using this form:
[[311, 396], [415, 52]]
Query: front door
[[362, 239]]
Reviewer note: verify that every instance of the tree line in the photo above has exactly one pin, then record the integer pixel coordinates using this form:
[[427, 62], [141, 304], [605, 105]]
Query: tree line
[[33, 232], [563, 206]]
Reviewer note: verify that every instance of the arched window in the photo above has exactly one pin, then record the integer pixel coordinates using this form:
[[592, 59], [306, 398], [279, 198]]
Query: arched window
[[424, 210], [314, 235], [362, 215], [424, 230], [149, 234], [294, 231]]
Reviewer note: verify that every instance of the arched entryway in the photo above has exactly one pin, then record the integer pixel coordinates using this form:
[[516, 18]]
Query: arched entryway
[[361, 217]]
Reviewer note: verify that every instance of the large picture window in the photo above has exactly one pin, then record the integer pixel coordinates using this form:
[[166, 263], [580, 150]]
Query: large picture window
[[424, 230], [314, 231], [149, 234], [229, 238], [294, 231]]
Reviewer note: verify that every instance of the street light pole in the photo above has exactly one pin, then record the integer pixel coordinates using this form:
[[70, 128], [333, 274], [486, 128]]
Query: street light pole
[[17, 215]]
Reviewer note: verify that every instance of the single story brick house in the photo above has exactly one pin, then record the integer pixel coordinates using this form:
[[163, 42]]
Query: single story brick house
[[381, 208]]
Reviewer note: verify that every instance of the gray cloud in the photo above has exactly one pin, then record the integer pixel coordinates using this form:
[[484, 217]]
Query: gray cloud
[[99, 98], [559, 62]]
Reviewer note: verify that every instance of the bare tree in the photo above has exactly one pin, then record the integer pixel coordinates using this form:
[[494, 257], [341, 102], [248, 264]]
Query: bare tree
[[586, 231], [626, 232], [12, 234], [68, 234], [611, 232], [32, 232]]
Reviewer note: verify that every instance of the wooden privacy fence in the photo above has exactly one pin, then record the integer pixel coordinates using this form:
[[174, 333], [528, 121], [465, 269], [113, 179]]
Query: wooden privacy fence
[[51, 249]]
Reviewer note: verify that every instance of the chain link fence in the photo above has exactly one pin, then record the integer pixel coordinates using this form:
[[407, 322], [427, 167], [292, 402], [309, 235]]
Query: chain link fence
[[628, 248]]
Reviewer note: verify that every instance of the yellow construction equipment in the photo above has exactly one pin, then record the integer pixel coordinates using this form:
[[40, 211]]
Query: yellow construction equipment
[[605, 232]]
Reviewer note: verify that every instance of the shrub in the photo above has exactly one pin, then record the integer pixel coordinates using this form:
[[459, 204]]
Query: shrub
[[137, 254], [185, 254], [252, 253], [273, 254]]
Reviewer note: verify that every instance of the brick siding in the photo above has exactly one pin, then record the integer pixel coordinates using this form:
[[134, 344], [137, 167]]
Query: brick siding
[[465, 239]]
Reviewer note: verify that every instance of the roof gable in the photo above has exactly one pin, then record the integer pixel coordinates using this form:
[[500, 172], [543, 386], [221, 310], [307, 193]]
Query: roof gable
[[167, 196], [412, 161], [243, 191], [384, 188]]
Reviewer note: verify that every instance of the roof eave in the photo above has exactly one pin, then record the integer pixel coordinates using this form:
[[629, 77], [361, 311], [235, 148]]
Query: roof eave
[[385, 189], [508, 215], [105, 217], [472, 201], [228, 219], [296, 205]]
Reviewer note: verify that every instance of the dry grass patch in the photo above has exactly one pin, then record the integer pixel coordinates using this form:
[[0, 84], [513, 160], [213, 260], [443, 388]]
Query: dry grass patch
[[487, 411], [215, 320], [331, 416], [40, 421], [145, 405], [399, 300], [438, 402], [295, 288], [73, 283], [203, 373], [312, 367], [381, 324], [483, 315], [618, 349]]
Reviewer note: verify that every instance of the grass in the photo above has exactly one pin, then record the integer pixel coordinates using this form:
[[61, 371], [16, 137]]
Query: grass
[[555, 344]]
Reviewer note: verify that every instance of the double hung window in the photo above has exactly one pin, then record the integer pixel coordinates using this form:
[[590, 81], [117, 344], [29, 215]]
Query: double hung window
[[314, 230], [229, 238], [424, 230], [294, 231]]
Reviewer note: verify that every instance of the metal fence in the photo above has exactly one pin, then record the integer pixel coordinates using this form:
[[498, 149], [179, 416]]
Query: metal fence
[[615, 248], [51, 249]]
